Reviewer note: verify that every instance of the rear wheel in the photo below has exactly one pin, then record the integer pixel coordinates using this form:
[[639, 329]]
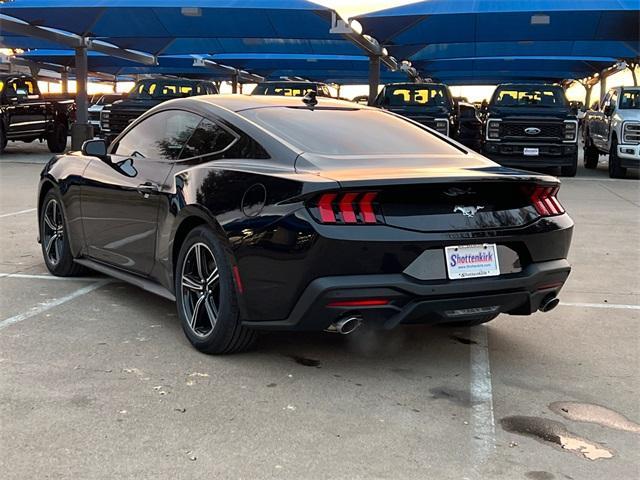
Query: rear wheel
[[471, 322], [570, 170], [54, 238], [615, 170], [57, 139], [591, 154], [206, 296]]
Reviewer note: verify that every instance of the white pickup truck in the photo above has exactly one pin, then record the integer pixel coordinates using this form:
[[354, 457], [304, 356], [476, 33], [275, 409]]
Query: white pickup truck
[[614, 128]]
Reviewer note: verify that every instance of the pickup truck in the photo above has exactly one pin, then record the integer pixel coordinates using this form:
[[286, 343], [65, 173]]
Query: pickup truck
[[26, 116], [430, 104], [531, 126], [289, 88], [148, 93], [614, 128]]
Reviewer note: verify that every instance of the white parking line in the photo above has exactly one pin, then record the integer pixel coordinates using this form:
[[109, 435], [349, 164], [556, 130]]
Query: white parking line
[[43, 307], [46, 277], [29, 210], [601, 305], [482, 421]]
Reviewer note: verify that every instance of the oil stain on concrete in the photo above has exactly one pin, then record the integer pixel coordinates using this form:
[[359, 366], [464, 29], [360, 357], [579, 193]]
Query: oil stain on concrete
[[555, 433], [593, 413], [539, 475]]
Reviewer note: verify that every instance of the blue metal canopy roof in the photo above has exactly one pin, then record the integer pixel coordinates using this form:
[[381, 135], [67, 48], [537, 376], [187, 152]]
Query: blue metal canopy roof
[[186, 26], [440, 29]]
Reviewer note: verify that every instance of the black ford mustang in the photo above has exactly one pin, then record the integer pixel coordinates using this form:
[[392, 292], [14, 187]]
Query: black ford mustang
[[303, 214]]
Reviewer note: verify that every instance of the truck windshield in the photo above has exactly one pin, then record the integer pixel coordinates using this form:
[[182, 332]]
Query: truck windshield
[[419, 95], [284, 89], [164, 89], [630, 100], [530, 96]]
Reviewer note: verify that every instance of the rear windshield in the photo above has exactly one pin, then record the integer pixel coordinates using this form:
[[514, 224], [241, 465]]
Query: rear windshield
[[630, 99], [419, 95], [284, 89], [347, 131], [531, 96]]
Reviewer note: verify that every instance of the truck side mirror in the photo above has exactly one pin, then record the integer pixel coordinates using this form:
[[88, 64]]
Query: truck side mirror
[[608, 110], [95, 148]]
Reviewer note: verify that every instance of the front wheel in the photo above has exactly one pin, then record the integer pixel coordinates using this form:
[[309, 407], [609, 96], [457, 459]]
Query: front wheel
[[570, 170], [3, 138], [615, 170], [57, 139], [591, 155], [54, 238], [206, 295]]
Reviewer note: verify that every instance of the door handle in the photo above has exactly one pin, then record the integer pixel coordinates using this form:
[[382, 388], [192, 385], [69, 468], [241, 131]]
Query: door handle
[[147, 188]]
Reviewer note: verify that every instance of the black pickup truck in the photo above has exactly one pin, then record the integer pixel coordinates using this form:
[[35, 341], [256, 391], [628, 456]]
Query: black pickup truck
[[26, 116], [148, 93], [430, 104], [531, 126], [290, 88]]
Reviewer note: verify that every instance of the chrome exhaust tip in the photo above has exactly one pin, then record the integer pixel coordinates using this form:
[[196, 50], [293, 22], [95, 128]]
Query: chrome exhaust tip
[[549, 303], [345, 325]]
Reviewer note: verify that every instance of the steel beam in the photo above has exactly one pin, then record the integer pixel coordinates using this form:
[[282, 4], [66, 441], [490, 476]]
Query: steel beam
[[81, 129], [374, 78], [14, 25]]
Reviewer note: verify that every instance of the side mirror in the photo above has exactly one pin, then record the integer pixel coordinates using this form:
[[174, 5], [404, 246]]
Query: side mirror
[[95, 148], [608, 110]]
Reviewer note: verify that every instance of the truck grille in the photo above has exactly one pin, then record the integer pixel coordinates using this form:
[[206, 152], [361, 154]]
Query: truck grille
[[116, 121], [548, 131], [631, 133]]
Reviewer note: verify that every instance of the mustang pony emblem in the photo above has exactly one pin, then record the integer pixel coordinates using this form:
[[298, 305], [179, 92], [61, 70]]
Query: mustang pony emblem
[[467, 211]]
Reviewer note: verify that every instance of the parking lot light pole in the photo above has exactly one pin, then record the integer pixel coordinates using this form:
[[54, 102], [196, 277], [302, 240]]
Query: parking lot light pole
[[374, 78]]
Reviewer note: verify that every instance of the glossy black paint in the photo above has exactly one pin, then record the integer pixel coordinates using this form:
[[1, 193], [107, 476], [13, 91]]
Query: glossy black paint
[[132, 213]]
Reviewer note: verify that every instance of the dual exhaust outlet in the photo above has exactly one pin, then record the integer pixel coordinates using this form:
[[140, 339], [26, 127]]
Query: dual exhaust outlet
[[350, 323]]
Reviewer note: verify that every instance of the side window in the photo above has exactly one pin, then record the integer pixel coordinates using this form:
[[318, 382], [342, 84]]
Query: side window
[[160, 137], [208, 138]]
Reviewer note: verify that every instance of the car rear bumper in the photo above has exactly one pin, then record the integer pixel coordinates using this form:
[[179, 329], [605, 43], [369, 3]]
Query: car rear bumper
[[512, 154], [415, 301]]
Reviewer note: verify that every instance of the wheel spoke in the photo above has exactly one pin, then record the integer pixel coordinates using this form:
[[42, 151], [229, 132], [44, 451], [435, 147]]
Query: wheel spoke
[[197, 252], [213, 277], [48, 221], [212, 311], [55, 213], [50, 244], [191, 284], [196, 309]]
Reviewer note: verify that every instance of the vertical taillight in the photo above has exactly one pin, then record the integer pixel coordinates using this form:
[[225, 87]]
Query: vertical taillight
[[347, 208], [545, 201]]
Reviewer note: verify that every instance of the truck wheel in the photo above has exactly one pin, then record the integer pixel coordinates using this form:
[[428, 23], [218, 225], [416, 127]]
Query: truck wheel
[[615, 170], [570, 170], [591, 154], [3, 138], [57, 139]]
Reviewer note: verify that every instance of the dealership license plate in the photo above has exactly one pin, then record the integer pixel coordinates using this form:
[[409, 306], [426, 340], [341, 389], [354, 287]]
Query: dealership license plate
[[472, 261], [531, 152]]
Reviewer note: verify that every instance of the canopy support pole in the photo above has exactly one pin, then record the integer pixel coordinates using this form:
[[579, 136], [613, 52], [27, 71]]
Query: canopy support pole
[[632, 67], [234, 83], [64, 77], [587, 97], [81, 129], [374, 78]]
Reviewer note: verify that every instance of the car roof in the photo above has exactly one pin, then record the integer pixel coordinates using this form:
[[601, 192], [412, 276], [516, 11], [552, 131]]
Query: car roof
[[237, 103]]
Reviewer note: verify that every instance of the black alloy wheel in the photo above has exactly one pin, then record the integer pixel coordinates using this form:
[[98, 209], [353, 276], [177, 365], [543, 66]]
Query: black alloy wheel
[[54, 238], [207, 295], [615, 169], [57, 139]]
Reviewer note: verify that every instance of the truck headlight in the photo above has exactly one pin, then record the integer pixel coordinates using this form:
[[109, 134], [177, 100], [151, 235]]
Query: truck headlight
[[493, 129], [442, 126], [570, 130]]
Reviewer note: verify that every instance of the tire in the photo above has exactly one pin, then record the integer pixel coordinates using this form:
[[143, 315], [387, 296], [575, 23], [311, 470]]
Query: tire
[[472, 322], [3, 138], [56, 251], [591, 154], [209, 291], [615, 170], [57, 139], [570, 170]]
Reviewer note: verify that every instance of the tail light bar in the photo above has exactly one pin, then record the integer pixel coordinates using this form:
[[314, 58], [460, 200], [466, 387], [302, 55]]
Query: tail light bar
[[545, 202], [347, 208]]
